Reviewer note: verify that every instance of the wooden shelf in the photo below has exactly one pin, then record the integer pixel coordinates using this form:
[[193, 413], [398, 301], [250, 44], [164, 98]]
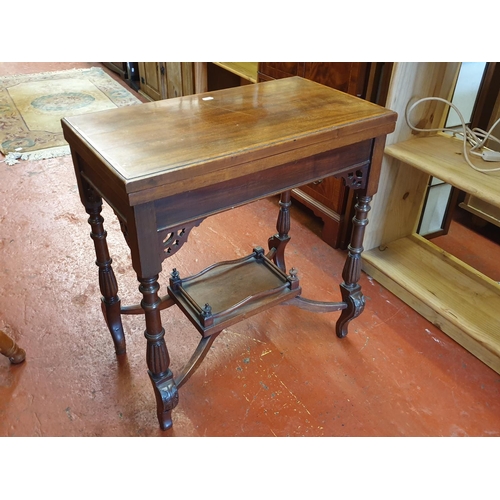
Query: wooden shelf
[[442, 156], [458, 299], [246, 70]]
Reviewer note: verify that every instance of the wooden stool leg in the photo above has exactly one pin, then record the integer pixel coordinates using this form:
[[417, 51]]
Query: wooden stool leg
[[10, 349], [350, 289]]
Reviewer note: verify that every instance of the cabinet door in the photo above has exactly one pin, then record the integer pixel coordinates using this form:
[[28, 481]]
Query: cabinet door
[[355, 78], [348, 77], [179, 79], [150, 80], [330, 192]]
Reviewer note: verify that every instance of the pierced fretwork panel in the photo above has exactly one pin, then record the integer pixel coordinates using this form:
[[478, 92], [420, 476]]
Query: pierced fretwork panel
[[172, 239], [355, 178]]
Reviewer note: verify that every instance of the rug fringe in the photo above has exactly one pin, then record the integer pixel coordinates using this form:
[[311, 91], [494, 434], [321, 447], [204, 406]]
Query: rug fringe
[[45, 154], [42, 154]]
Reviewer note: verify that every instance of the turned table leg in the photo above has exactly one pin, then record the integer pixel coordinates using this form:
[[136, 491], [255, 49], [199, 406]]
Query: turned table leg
[[107, 279], [278, 242], [10, 349], [157, 357], [350, 288]]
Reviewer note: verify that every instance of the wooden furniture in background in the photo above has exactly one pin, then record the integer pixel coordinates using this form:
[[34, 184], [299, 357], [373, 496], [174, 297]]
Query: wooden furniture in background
[[164, 80], [225, 75], [172, 176], [480, 208], [349, 77], [463, 301], [247, 71], [128, 71], [330, 199], [486, 113], [10, 349], [452, 295], [118, 67]]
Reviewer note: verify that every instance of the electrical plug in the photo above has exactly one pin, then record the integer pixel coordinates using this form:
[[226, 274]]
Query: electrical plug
[[490, 155]]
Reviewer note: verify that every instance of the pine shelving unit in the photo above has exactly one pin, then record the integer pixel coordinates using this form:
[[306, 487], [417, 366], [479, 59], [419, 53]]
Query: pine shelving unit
[[461, 301]]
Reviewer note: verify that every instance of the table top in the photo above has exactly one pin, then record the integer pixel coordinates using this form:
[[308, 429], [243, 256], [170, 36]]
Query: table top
[[184, 142]]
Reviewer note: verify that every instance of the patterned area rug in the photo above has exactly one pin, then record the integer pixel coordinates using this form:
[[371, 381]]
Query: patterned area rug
[[31, 108]]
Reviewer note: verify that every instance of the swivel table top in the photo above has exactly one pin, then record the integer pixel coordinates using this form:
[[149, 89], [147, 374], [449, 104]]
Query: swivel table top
[[166, 147]]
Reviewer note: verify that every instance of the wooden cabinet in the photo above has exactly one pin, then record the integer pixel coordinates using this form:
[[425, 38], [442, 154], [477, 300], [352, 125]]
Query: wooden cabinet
[[162, 80], [241, 73], [118, 67], [482, 209], [150, 80], [345, 76], [328, 198]]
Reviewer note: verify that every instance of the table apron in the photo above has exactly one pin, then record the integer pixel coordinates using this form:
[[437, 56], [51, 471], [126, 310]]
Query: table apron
[[209, 200]]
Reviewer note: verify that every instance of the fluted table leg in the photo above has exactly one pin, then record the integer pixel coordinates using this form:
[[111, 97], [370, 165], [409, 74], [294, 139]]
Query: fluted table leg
[[350, 288], [278, 242], [107, 279], [157, 357]]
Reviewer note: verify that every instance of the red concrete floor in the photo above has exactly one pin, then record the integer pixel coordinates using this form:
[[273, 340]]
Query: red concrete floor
[[280, 373]]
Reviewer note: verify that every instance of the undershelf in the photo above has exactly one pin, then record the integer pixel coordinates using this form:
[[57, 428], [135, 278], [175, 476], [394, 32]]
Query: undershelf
[[455, 297], [230, 291]]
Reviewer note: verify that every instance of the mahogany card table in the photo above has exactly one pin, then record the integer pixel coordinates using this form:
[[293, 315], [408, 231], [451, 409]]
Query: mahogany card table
[[165, 166]]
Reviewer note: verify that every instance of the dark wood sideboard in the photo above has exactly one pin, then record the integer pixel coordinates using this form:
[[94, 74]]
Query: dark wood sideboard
[[329, 198]]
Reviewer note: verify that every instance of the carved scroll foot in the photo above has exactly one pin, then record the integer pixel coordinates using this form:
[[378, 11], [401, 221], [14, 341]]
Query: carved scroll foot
[[157, 357], [355, 303], [167, 398]]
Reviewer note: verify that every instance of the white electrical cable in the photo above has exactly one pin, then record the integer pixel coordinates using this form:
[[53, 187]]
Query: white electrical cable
[[475, 137]]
